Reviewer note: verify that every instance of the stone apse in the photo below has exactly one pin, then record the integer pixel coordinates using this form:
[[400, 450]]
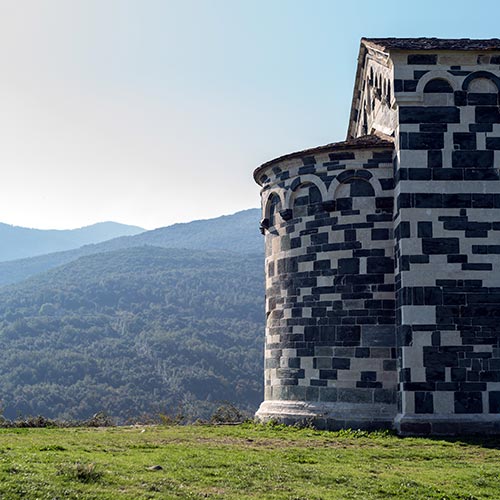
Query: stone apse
[[383, 251]]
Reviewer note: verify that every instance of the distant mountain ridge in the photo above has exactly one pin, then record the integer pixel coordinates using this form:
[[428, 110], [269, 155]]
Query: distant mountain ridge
[[236, 233], [22, 242]]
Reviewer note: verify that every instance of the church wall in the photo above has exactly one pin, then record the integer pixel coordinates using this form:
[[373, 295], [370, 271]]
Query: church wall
[[447, 232], [330, 337]]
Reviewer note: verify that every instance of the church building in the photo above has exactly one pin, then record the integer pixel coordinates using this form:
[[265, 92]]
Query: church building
[[383, 251]]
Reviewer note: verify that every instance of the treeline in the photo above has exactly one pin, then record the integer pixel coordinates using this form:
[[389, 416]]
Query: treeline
[[142, 330]]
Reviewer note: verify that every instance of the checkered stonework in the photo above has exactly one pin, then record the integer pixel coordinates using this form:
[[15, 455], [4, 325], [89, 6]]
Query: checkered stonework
[[383, 251]]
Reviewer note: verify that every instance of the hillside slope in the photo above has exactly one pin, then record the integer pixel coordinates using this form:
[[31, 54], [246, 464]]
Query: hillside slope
[[23, 242], [237, 233], [132, 331]]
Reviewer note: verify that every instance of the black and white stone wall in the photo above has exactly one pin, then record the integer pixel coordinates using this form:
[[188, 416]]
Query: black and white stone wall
[[447, 241], [330, 336]]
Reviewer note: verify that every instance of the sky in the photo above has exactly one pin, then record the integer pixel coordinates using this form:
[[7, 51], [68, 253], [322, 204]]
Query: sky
[[151, 112]]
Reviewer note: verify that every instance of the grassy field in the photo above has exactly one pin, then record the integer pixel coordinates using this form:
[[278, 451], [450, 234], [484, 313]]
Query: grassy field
[[241, 462]]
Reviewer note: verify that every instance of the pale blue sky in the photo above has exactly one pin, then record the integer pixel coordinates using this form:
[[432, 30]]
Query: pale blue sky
[[152, 112]]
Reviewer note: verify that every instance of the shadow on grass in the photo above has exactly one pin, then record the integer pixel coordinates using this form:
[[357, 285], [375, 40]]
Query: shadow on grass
[[490, 442]]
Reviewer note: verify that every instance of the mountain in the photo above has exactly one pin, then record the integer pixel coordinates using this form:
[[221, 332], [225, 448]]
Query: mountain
[[236, 233], [134, 330], [22, 242]]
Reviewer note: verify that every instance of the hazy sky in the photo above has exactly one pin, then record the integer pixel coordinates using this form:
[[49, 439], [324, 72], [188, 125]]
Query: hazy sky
[[151, 112]]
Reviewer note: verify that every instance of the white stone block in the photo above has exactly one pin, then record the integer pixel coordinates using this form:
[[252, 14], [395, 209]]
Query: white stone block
[[444, 402], [418, 315]]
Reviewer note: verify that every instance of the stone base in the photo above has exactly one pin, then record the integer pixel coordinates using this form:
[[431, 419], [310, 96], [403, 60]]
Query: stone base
[[447, 425], [328, 416], [336, 416]]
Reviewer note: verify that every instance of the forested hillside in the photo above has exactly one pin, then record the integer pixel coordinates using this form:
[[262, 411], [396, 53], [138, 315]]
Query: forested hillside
[[23, 242], [237, 233], [132, 331]]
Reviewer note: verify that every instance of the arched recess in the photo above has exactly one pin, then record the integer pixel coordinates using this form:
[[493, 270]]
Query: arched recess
[[347, 176], [272, 204], [273, 208], [438, 86], [437, 75], [306, 199], [354, 194], [481, 74], [438, 92], [482, 88], [291, 193]]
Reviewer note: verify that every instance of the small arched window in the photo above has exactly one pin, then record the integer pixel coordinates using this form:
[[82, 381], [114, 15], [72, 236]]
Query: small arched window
[[273, 208]]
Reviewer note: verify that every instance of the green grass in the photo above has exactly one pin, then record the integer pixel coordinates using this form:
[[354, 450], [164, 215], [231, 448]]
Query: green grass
[[242, 462]]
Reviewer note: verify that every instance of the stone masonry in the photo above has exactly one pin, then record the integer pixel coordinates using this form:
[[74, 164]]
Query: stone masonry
[[383, 251]]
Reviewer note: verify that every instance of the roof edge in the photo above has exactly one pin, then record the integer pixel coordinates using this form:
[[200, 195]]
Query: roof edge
[[359, 69], [432, 43], [378, 140]]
